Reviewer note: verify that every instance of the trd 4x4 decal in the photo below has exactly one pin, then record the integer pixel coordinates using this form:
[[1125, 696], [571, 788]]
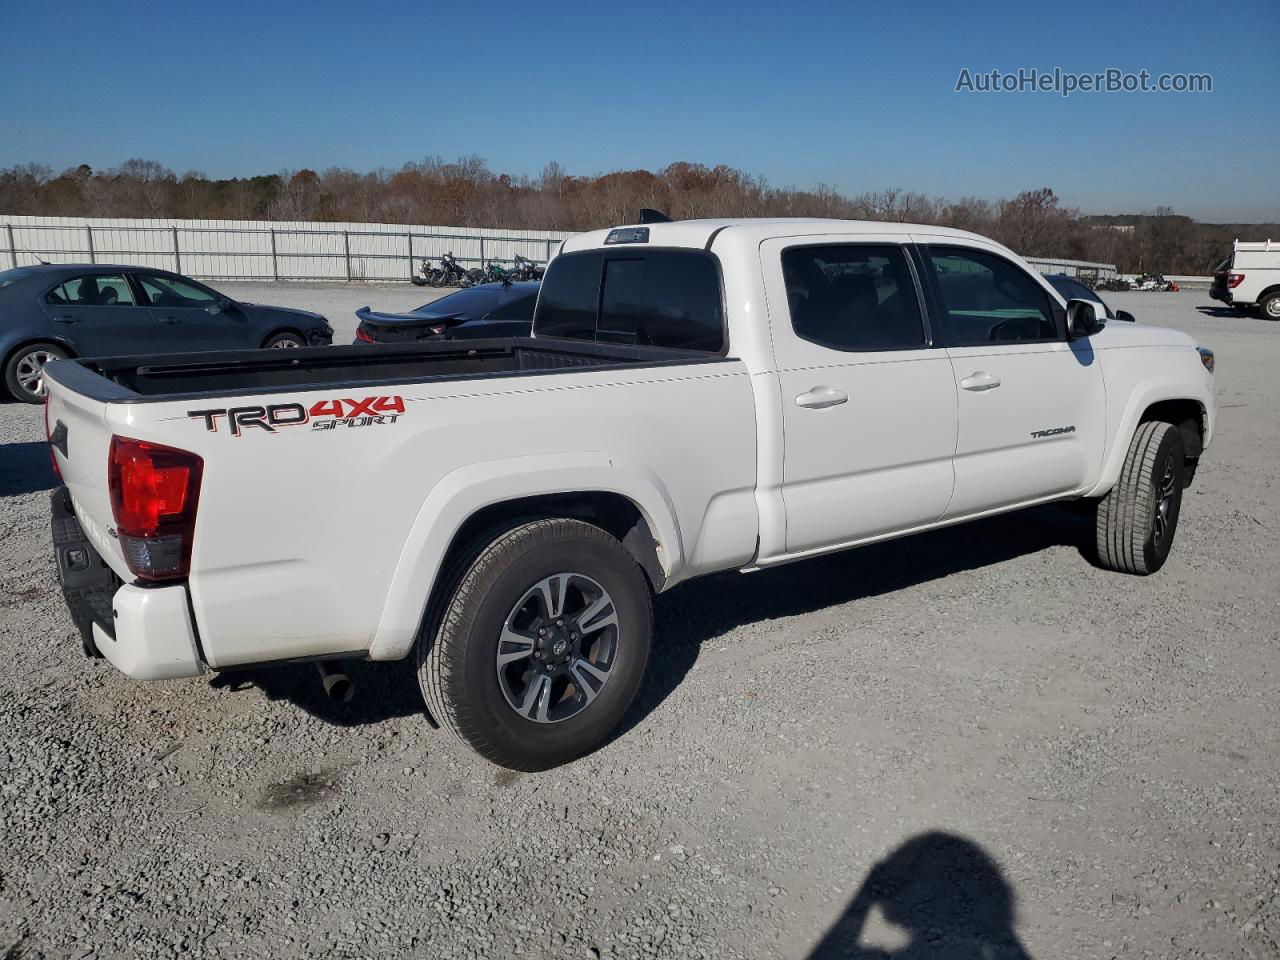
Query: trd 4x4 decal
[[322, 415]]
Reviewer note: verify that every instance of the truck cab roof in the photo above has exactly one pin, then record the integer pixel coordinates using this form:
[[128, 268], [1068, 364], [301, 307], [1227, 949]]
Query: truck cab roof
[[699, 234]]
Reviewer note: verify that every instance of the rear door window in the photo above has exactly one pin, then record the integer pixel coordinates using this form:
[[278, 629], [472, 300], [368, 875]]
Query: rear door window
[[95, 290], [661, 298], [853, 297]]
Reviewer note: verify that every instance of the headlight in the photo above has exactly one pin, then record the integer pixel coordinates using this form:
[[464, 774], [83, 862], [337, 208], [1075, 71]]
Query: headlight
[[1206, 357]]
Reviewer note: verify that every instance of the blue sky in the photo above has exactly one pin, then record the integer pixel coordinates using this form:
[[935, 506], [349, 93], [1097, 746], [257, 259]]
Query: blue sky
[[857, 95]]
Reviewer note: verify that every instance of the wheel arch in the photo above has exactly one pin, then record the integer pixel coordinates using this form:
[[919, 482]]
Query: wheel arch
[[626, 500], [279, 330], [1168, 399], [13, 349], [1274, 289], [32, 341]]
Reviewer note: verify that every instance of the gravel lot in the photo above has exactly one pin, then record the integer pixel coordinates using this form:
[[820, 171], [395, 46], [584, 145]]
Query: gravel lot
[[1043, 758]]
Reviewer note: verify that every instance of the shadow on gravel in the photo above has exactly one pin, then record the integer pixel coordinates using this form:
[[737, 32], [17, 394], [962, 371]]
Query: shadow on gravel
[[712, 606], [383, 691], [945, 896], [25, 468], [1221, 312]]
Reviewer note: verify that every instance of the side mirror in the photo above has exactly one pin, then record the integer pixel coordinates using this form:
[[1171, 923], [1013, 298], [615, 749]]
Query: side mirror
[[1126, 316], [1082, 319], [221, 306]]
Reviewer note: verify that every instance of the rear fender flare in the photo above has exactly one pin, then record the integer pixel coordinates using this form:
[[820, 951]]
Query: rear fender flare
[[461, 494]]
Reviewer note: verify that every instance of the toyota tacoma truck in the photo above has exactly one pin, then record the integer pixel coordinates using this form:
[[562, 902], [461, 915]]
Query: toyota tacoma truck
[[694, 397]]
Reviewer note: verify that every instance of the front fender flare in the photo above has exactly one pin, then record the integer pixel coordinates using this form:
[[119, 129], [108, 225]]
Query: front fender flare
[[1148, 392], [461, 494]]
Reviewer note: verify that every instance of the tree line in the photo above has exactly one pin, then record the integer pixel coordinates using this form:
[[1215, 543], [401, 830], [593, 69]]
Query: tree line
[[466, 193]]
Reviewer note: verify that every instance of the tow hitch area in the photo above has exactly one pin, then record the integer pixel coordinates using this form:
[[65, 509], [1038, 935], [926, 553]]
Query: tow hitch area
[[88, 584]]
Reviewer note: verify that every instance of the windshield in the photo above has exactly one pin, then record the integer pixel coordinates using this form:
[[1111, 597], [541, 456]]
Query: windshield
[[8, 277]]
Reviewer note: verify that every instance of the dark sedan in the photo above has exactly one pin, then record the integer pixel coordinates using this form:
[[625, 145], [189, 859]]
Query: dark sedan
[[52, 311], [1072, 289], [486, 310]]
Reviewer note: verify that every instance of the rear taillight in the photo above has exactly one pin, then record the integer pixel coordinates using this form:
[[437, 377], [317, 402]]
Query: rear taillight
[[1234, 280], [48, 435], [363, 335], [154, 492]]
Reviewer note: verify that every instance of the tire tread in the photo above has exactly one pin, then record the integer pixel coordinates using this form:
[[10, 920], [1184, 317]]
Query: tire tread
[[1122, 515], [441, 646]]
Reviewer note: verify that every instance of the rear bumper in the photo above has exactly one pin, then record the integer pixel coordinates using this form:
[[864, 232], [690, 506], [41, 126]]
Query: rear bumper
[[145, 632], [153, 637]]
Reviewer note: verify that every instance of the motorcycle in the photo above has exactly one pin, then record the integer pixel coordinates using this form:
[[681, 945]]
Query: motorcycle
[[452, 274], [526, 269], [497, 273], [1153, 282], [426, 275]]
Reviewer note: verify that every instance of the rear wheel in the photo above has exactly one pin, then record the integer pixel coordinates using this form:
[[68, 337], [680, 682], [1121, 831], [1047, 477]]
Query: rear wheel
[[1269, 306], [24, 371], [1137, 520], [540, 646]]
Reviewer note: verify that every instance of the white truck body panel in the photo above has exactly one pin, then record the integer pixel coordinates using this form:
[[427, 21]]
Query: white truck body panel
[[1257, 264], [726, 467]]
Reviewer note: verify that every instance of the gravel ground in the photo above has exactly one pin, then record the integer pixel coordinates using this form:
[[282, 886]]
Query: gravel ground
[[968, 743]]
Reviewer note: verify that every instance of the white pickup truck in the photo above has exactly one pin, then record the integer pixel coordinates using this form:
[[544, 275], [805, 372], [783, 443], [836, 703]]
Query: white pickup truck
[[696, 396], [1253, 277]]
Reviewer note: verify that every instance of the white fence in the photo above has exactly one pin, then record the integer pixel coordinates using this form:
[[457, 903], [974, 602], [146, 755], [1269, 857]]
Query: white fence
[[263, 250], [278, 250], [1071, 268]]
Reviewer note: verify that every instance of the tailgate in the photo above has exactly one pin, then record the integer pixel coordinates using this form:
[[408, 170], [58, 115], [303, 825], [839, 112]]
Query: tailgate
[[79, 425]]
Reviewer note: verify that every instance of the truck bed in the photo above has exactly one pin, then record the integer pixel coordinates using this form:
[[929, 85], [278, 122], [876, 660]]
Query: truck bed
[[231, 373]]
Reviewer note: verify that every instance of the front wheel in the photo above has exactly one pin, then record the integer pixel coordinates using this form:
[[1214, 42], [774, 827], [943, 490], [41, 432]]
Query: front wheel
[[540, 646], [284, 341], [1137, 520], [24, 372]]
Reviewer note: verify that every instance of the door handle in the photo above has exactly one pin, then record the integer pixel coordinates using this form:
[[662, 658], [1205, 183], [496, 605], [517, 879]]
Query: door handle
[[168, 320], [66, 319], [819, 397], [980, 381]]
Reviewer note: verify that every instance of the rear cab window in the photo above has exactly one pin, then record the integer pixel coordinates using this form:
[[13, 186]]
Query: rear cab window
[[647, 297]]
